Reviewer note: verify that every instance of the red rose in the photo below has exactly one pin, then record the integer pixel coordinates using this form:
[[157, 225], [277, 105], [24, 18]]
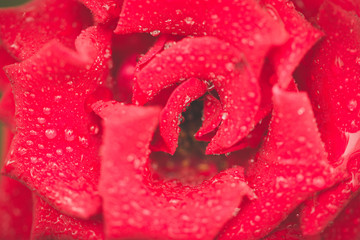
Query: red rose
[[180, 119]]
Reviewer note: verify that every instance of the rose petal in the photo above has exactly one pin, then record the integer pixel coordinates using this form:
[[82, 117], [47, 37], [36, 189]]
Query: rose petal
[[324, 208], [15, 210], [302, 36], [254, 138], [103, 10], [212, 118], [135, 206], [290, 167], [54, 151], [310, 8], [174, 64], [240, 104], [124, 79], [335, 100], [48, 223], [26, 28], [235, 83], [346, 226], [7, 107], [335, 70], [288, 229], [5, 59], [244, 24], [15, 202], [182, 96]]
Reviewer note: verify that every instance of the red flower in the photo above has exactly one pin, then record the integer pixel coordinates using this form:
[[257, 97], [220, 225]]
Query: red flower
[[177, 119]]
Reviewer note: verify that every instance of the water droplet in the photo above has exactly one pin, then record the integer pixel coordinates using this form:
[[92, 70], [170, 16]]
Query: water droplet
[[41, 120], [224, 116], [155, 33], [94, 129], [84, 141], [50, 133], [352, 105], [57, 98], [46, 110], [301, 111], [229, 66], [69, 134], [69, 149], [33, 133], [301, 139], [59, 152], [189, 20], [251, 94], [357, 60], [338, 62], [179, 59], [22, 150], [319, 182]]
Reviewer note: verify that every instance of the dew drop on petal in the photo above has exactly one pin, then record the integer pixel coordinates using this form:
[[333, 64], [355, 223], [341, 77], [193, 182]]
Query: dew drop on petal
[[155, 33], [50, 133], [69, 134], [352, 105], [319, 182], [46, 110]]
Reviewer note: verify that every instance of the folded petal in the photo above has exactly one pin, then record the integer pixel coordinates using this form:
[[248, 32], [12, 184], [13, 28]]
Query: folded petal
[[55, 150], [290, 167], [288, 229], [103, 10], [15, 202], [244, 24], [26, 28], [213, 60], [181, 97], [334, 81], [7, 107], [211, 117], [302, 36], [137, 206], [324, 208], [48, 223], [347, 224], [5, 59]]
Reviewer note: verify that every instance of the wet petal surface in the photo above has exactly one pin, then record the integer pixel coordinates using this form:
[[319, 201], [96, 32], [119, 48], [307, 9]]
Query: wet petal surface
[[54, 151], [137, 206]]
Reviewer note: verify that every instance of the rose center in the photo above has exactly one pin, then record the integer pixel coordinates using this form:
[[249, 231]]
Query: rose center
[[189, 164]]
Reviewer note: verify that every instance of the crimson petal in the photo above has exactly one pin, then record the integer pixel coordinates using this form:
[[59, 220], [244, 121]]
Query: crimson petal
[[324, 208], [5, 59], [302, 37], [15, 203], [180, 98], [244, 24], [290, 167], [214, 60], [48, 223], [211, 116], [103, 10], [7, 107], [347, 225], [135, 206], [334, 91], [335, 68], [54, 151], [25, 29]]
